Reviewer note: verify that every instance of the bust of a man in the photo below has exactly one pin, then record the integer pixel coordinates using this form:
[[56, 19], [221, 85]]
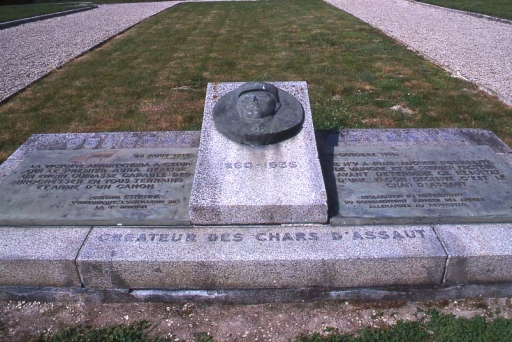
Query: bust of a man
[[258, 113], [257, 102]]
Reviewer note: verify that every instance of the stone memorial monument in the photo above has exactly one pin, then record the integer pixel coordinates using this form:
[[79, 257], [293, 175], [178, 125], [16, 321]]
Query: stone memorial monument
[[258, 162], [257, 207]]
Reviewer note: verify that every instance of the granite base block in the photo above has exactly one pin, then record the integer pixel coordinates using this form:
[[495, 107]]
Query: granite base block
[[271, 184], [261, 257], [40, 256], [255, 264], [477, 253], [143, 186]]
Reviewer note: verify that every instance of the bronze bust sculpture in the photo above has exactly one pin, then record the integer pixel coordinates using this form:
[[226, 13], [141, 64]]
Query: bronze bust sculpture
[[258, 113]]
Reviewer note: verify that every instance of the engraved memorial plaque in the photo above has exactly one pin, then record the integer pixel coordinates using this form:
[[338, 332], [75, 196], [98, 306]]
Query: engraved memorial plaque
[[421, 184], [100, 187]]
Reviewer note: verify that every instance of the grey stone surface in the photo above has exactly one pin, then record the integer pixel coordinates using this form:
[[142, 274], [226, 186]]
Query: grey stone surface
[[115, 140], [287, 262], [95, 141], [327, 140], [507, 158], [421, 184], [7, 167], [261, 257], [148, 186], [237, 184], [477, 253], [40, 256]]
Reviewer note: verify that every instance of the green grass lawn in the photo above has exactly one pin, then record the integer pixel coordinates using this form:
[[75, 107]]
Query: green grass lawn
[[495, 8], [154, 76], [14, 12], [433, 326]]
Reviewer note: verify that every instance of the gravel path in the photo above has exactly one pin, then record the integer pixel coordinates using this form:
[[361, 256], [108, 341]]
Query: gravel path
[[477, 49], [30, 51]]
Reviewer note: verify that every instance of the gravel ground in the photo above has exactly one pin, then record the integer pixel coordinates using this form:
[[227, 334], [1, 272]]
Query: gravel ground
[[277, 322], [30, 51], [476, 49]]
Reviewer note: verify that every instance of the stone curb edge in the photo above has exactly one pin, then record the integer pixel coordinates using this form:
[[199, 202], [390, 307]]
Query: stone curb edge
[[252, 296], [18, 22], [473, 14]]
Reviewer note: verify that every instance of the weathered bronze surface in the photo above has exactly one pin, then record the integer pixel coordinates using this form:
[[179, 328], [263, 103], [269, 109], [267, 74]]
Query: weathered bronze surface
[[258, 113]]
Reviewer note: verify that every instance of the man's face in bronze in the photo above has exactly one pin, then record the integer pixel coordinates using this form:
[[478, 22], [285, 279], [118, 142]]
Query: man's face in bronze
[[256, 105]]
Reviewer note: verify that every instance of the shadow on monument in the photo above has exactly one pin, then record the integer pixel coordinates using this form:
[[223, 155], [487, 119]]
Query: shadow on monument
[[326, 141]]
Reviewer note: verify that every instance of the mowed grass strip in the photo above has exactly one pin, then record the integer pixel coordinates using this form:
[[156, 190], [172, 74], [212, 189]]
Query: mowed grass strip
[[15, 12], [154, 76], [495, 8]]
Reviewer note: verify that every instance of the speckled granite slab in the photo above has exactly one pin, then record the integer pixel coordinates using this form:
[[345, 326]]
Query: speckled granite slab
[[249, 262], [394, 195], [479, 253], [261, 257], [40, 256], [272, 184]]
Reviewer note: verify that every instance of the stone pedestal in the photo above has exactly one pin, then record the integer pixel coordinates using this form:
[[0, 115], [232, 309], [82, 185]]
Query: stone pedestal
[[272, 184], [266, 257]]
